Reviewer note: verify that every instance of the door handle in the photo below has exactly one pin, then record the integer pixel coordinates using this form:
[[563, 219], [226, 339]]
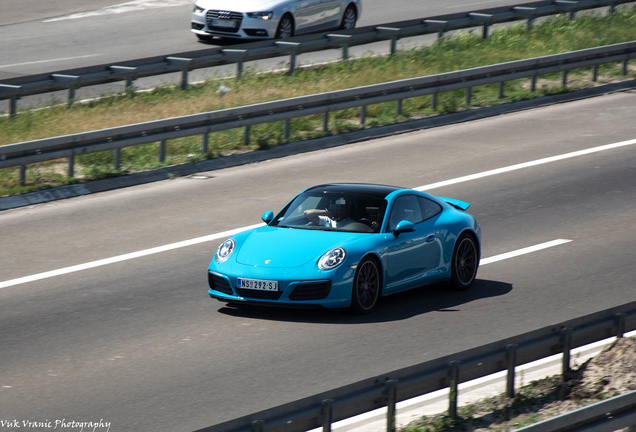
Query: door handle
[[430, 238]]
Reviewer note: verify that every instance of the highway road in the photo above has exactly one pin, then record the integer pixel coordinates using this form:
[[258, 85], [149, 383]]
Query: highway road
[[40, 37], [139, 344]]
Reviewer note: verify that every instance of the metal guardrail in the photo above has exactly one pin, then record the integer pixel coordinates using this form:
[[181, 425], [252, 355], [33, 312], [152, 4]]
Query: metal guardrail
[[70, 146], [128, 71], [607, 416], [387, 390]]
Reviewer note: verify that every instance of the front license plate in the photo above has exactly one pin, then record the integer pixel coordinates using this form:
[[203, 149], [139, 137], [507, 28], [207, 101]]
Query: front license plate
[[255, 284], [223, 23]]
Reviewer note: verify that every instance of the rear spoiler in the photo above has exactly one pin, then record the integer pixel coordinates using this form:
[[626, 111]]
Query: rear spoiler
[[460, 205]]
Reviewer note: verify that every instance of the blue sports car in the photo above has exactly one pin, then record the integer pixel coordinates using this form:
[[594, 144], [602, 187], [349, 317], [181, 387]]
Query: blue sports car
[[345, 246]]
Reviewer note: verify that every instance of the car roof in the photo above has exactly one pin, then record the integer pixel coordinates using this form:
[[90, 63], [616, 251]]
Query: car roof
[[380, 191]]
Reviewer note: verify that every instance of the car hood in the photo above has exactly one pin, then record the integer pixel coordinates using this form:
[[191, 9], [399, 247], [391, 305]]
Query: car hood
[[239, 5], [275, 247]]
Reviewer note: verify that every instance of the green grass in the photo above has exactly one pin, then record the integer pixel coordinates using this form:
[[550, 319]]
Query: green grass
[[461, 51]]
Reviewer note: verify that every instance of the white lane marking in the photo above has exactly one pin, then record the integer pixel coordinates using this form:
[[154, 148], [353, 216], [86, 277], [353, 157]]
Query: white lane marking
[[133, 6], [524, 251], [124, 257], [526, 165], [120, 258], [48, 61]]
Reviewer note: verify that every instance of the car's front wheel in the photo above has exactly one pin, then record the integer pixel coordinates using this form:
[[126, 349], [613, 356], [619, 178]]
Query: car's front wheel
[[366, 287], [349, 18], [285, 27], [465, 263]]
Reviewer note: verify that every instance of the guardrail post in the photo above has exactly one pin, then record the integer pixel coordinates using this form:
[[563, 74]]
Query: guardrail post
[[292, 57], [162, 151], [394, 32], [363, 115], [468, 93], [325, 121], [73, 80], [595, 73], [500, 90], [239, 61], [620, 325], [246, 136], [437, 23], [345, 46], [398, 107], [257, 426], [625, 67], [185, 66], [569, 3], [117, 158], [22, 175], [327, 414], [511, 360], [564, 79], [286, 129], [566, 341], [478, 15], [130, 73], [204, 143], [533, 83], [530, 12], [14, 95], [453, 374], [13, 106], [434, 101], [391, 393], [71, 166]]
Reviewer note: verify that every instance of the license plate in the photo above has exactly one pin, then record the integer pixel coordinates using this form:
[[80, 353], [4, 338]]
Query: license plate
[[255, 284], [223, 23]]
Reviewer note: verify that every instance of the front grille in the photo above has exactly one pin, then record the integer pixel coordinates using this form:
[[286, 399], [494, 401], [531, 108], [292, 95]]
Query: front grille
[[237, 17], [311, 291], [249, 293], [218, 283]]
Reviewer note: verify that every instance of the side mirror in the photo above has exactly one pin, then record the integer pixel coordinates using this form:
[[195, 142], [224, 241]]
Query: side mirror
[[403, 226], [267, 217]]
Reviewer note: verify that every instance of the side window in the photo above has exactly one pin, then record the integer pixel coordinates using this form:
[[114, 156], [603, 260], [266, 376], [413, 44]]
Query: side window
[[407, 208], [429, 208]]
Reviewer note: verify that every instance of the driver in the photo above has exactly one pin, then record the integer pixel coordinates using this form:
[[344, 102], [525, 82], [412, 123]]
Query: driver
[[337, 215]]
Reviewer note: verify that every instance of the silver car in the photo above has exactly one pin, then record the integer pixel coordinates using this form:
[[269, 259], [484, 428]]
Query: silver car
[[265, 19]]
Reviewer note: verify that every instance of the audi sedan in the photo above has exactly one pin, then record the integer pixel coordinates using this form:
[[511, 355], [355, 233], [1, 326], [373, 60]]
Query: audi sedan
[[347, 245], [266, 19]]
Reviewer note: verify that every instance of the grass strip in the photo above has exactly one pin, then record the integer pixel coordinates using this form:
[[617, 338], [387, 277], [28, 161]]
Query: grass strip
[[462, 50]]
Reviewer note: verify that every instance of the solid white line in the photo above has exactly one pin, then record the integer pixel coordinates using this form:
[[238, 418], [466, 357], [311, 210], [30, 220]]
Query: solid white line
[[524, 251], [48, 61], [124, 257], [525, 165], [172, 246]]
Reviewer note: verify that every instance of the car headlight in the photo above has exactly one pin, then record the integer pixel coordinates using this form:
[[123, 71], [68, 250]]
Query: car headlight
[[261, 15], [198, 9], [225, 250], [332, 259]]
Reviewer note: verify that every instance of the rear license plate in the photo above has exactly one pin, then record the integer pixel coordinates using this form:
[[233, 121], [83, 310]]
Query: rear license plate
[[255, 284], [223, 23]]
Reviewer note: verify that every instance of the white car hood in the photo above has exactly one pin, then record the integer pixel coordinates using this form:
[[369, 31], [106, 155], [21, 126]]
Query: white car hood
[[240, 5]]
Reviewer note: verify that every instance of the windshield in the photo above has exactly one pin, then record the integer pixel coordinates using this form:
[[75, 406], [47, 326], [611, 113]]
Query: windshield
[[333, 211]]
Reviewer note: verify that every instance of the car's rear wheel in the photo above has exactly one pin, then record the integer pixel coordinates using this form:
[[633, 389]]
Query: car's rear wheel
[[285, 27], [465, 264], [366, 287], [349, 18]]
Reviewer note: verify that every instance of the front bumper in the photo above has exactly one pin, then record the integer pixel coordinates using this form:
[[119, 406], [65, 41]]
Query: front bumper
[[247, 28], [297, 288]]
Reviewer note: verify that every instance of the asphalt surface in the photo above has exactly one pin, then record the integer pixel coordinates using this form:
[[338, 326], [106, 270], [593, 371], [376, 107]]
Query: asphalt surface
[[139, 344]]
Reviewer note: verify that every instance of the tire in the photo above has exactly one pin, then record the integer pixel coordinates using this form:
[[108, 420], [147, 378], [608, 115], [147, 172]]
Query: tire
[[349, 18], [285, 27], [366, 289], [464, 265]]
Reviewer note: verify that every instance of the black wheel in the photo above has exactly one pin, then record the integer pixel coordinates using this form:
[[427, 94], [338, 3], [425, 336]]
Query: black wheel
[[285, 27], [366, 287], [464, 265], [349, 18]]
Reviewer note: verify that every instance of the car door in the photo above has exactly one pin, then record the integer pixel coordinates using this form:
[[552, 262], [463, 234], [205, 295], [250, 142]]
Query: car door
[[307, 16], [330, 14], [411, 255]]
